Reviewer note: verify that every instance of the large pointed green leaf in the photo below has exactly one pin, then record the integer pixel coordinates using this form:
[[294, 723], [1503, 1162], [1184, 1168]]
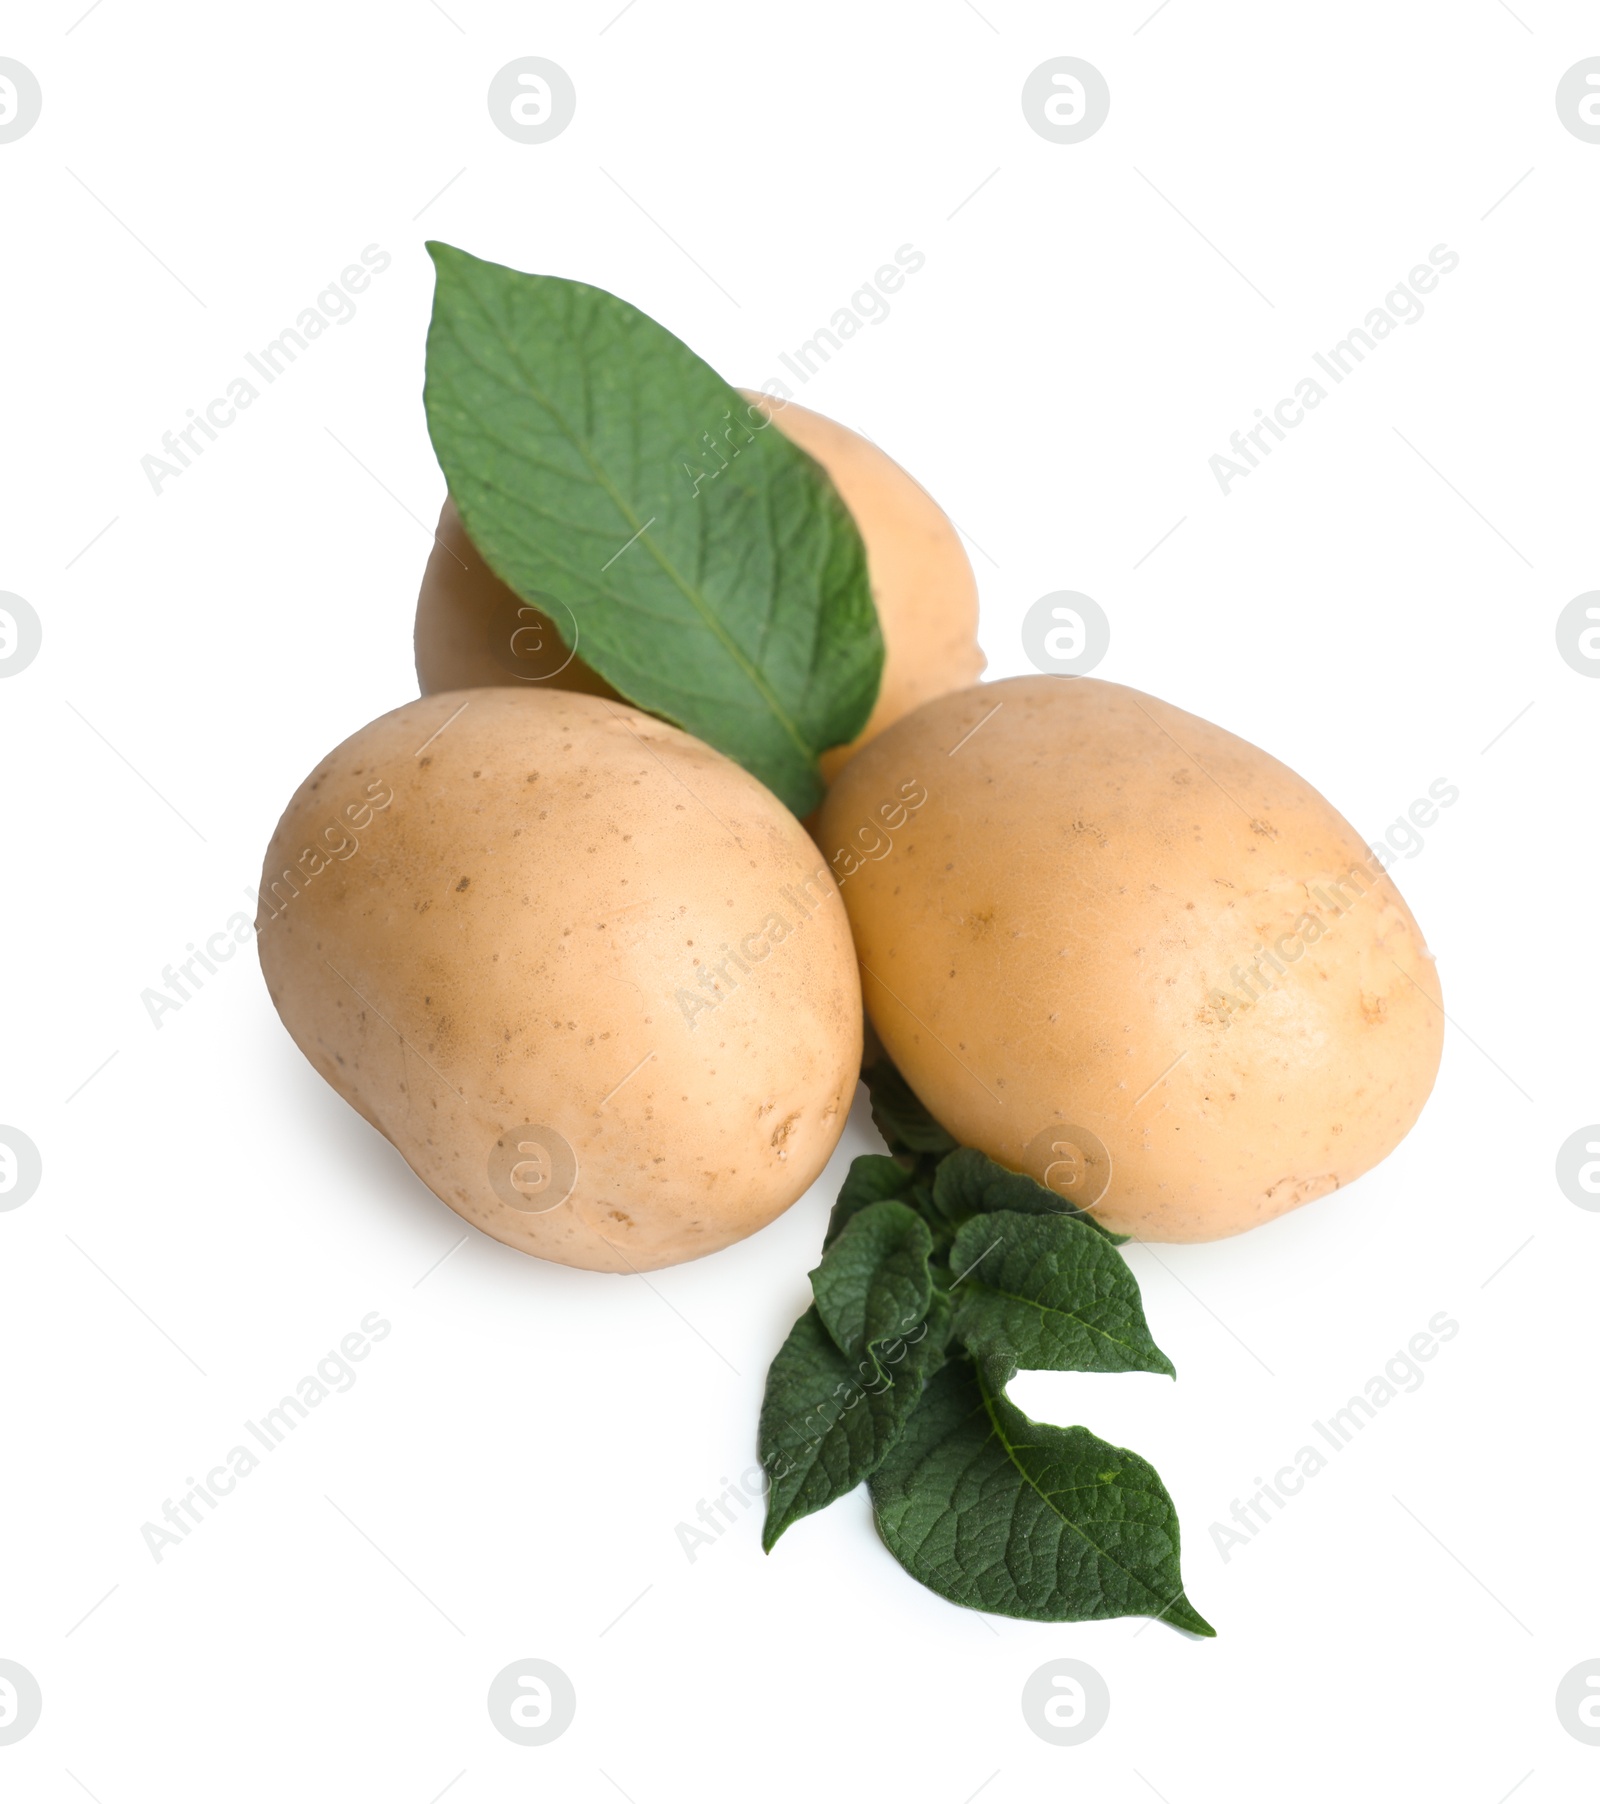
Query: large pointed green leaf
[[716, 577], [1046, 1293], [1004, 1514], [826, 1422]]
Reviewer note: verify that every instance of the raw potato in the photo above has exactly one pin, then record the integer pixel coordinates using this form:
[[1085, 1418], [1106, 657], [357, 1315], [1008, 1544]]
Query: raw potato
[[531, 933], [472, 631], [1060, 940]]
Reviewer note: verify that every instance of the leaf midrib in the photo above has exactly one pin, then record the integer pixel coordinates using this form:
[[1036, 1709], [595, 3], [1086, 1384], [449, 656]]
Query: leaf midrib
[[689, 592], [1066, 1521]]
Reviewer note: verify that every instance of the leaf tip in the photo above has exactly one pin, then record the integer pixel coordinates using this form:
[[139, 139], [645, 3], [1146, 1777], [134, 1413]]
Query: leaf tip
[[1190, 1621]]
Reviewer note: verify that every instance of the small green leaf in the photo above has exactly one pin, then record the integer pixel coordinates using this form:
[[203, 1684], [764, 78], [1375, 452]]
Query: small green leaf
[[874, 1283], [905, 1124], [1046, 1293], [826, 1424], [970, 1183], [716, 577], [1000, 1513], [872, 1178]]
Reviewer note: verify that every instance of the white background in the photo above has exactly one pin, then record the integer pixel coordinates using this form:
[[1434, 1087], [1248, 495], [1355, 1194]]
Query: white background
[[523, 1445]]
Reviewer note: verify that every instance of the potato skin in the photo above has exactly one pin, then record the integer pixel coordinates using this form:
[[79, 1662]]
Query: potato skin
[[922, 583], [1069, 929], [472, 632], [516, 937]]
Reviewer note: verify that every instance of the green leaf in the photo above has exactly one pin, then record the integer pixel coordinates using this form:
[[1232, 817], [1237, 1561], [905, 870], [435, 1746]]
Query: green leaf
[[872, 1178], [970, 1183], [906, 1126], [825, 1424], [571, 428], [1046, 1293], [1000, 1513], [874, 1283]]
